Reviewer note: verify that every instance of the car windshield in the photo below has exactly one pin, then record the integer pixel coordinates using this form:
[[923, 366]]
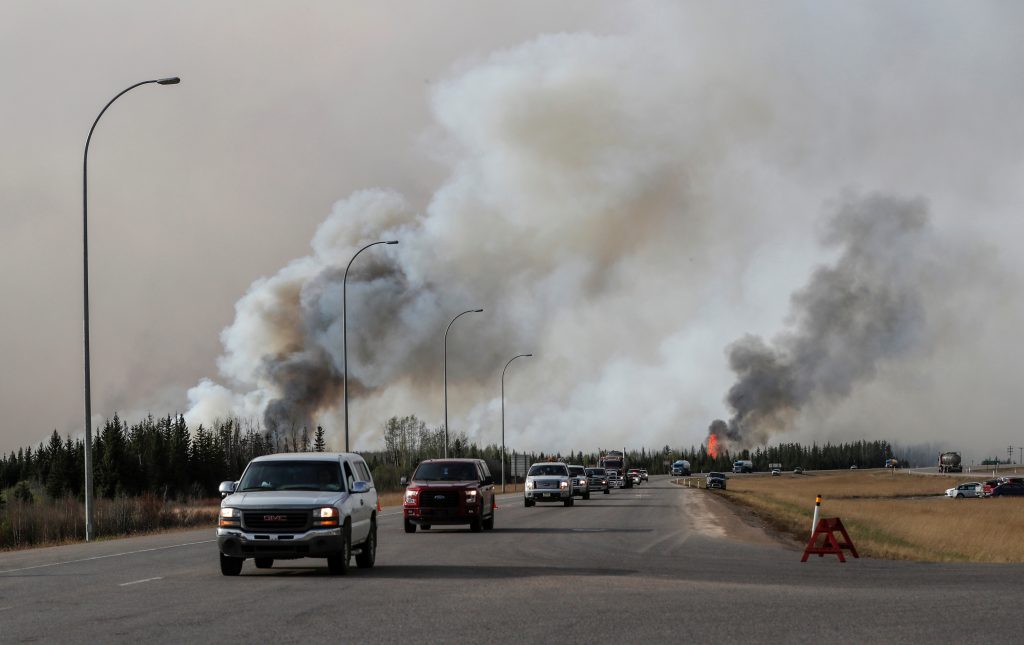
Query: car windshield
[[611, 463], [595, 471], [716, 475], [446, 471], [577, 470], [292, 475], [548, 470]]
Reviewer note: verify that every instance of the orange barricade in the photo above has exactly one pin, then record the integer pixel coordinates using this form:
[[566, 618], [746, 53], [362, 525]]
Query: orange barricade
[[828, 526]]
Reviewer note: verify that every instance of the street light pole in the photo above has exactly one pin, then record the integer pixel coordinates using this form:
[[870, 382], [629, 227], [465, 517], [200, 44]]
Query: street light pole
[[344, 324], [503, 418], [468, 311], [85, 299]]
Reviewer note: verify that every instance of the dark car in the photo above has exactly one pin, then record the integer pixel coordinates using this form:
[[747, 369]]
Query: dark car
[[450, 491], [1015, 488], [598, 480], [988, 486], [716, 480]]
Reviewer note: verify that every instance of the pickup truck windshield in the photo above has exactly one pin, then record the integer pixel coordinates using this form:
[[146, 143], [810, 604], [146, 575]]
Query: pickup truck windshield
[[552, 470], [450, 471], [292, 475]]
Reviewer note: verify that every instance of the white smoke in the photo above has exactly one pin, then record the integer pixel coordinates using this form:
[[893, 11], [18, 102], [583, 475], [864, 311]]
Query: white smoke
[[606, 206]]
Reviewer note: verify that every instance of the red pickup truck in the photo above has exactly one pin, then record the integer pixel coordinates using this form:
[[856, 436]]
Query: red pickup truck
[[450, 491]]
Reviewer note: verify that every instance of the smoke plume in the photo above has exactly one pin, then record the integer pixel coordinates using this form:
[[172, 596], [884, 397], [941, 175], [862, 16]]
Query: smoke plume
[[868, 308]]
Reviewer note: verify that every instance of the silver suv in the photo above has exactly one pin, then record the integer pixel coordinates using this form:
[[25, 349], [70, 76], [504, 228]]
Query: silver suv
[[299, 505], [548, 482]]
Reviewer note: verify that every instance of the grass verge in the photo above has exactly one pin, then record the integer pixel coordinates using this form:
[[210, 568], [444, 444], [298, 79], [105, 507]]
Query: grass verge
[[891, 516]]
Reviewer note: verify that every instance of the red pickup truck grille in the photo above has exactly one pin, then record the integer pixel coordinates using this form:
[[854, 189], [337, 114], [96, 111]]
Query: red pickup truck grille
[[437, 499]]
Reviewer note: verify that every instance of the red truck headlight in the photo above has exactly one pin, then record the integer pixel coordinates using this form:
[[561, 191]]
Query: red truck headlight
[[412, 497]]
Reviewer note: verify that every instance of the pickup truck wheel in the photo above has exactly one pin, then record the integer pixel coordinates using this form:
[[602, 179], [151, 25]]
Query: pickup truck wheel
[[337, 563], [489, 522], [586, 495], [230, 566], [410, 527], [425, 527], [264, 563], [567, 502], [607, 491], [528, 503], [368, 554]]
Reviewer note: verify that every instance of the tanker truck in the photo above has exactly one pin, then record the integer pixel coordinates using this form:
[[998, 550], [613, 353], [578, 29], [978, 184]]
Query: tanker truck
[[949, 462]]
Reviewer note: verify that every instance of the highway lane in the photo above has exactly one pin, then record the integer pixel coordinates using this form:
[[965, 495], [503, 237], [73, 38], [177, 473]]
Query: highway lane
[[655, 563]]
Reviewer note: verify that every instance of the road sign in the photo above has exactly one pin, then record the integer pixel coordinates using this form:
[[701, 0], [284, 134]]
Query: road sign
[[520, 464]]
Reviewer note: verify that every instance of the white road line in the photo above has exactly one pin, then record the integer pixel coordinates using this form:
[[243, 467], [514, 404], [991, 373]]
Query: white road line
[[103, 557], [5, 608], [135, 582]]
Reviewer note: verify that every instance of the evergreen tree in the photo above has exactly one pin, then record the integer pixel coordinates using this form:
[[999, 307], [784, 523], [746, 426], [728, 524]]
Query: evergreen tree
[[319, 444]]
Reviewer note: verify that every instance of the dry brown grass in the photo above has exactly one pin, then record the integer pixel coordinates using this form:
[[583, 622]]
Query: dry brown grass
[[891, 515]]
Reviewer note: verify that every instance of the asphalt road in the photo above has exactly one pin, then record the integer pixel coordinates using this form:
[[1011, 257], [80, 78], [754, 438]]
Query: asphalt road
[[654, 564]]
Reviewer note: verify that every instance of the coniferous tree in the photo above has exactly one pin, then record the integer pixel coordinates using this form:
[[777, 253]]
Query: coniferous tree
[[319, 444]]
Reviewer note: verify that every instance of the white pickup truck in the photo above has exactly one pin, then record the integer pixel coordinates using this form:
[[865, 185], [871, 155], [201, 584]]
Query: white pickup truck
[[299, 505]]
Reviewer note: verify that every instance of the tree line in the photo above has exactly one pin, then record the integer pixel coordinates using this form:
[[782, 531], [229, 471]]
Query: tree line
[[164, 456]]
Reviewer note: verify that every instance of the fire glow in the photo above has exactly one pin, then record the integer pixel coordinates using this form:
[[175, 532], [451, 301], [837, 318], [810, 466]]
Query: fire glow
[[713, 445]]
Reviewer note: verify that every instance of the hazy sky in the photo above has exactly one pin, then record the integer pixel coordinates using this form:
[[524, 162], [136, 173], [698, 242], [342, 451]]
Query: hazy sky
[[734, 127]]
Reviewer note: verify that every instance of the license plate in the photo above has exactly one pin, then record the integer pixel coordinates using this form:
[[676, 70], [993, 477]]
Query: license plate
[[547, 494]]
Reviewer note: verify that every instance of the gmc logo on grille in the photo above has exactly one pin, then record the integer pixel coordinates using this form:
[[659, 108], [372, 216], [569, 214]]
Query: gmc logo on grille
[[275, 518]]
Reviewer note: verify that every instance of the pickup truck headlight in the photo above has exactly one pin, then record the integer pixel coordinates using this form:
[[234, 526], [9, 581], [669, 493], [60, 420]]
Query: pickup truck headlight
[[412, 497], [529, 485], [326, 516], [470, 497], [230, 518], [563, 484]]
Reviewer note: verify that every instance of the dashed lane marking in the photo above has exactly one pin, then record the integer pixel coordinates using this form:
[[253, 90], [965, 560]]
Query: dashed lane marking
[[137, 582]]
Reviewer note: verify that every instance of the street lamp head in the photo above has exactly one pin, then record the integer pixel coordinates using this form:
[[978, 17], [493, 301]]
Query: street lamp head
[[392, 242], [477, 311], [174, 80], [527, 354]]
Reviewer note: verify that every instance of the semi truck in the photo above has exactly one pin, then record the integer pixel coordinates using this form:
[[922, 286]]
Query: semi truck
[[743, 466], [949, 462], [615, 461]]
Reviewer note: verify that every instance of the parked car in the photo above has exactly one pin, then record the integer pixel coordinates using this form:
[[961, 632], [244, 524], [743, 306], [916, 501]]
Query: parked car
[[548, 482], [580, 482], [716, 480], [988, 486], [598, 480], [970, 489], [643, 474], [450, 491], [1007, 489], [299, 505]]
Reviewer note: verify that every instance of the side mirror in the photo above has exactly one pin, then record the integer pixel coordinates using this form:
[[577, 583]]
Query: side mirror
[[403, 481], [488, 480], [226, 488], [360, 487]]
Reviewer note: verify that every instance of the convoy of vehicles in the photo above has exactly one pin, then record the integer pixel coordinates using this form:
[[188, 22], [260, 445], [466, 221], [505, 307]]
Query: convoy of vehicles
[[299, 505], [450, 491], [949, 462]]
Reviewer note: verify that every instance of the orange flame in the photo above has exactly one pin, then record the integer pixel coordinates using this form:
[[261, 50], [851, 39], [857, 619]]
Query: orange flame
[[713, 445]]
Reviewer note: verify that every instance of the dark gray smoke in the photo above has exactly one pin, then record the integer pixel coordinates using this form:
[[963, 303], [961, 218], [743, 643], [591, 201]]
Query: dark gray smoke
[[867, 308]]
